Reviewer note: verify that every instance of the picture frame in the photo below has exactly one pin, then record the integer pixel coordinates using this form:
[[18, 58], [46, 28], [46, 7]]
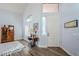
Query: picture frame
[[35, 27], [71, 24]]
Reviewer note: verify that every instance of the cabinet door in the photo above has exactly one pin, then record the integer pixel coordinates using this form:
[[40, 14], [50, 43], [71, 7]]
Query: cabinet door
[[10, 36], [3, 37]]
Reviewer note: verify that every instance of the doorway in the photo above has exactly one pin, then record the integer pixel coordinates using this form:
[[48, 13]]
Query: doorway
[[52, 25], [50, 29]]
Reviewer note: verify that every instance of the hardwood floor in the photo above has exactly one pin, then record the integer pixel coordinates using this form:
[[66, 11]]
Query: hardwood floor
[[54, 51], [36, 51]]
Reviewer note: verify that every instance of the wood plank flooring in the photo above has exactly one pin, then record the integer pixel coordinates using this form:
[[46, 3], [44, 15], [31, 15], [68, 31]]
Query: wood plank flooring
[[36, 51], [54, 51]]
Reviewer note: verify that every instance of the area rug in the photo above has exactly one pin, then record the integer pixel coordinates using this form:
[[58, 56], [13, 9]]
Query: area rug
[[10, 48]]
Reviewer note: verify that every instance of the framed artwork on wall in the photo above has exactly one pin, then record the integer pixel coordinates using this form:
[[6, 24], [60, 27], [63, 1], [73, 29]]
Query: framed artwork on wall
[[71, 24], [35, 27]]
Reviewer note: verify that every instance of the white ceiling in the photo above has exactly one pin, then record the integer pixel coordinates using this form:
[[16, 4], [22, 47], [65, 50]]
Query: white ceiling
[[13, 7]]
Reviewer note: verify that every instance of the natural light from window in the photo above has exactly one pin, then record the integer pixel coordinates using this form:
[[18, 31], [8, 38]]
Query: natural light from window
[[50, 8], [27, 25], [44, 25]]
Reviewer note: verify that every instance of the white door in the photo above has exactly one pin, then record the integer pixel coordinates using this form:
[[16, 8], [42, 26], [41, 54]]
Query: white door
[[52, 25]]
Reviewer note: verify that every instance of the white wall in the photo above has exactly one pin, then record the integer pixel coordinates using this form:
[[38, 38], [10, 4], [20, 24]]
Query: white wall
[[70, 36], [13, 7], [35, 11], [9, 18]]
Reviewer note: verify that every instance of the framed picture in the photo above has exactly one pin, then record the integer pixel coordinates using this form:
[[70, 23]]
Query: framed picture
[[35, 27], [71, 24]]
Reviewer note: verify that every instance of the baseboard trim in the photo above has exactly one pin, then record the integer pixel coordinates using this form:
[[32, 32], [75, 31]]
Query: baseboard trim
[[42, 46], [53, 46], [67, 51], [19, 39]]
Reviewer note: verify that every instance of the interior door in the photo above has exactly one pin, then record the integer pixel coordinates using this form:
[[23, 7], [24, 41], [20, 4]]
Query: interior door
[[52, 30]]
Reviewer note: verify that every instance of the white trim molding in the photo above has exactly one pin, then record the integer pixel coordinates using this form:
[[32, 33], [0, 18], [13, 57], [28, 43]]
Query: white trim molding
[[67, 51], [42, 46]]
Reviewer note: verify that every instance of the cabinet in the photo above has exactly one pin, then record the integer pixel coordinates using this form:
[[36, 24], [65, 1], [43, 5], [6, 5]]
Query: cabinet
[[7, 33]]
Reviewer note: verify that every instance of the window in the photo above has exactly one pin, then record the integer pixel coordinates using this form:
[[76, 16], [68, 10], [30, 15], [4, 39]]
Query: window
[[49, 8], [44, 26], [27, 30], [27, 25]]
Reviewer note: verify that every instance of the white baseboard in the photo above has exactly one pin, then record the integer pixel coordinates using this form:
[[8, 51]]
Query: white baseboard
[[54, 46], [18, 39], [42, 46], [45, 46], [67, 51]]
